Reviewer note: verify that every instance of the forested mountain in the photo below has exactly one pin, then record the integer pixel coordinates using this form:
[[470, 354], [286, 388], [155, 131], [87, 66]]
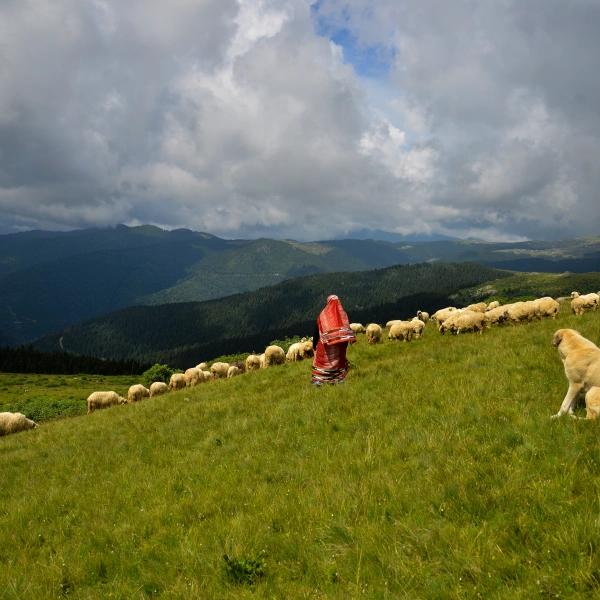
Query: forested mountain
[[182, 334], [49, 280]]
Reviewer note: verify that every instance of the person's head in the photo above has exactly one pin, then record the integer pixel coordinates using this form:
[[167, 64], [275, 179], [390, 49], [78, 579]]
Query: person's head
[[332, 297]]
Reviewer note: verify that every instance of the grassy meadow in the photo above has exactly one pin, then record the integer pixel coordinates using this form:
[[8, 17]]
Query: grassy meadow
[[43, 397], [433, 472]]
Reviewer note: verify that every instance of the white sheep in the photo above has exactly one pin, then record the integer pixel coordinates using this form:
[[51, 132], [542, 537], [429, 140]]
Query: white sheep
[[424, 316], [477, 307], [373, 333], [252, 362], [391, 322], [418, 326], [157, 388], [294, 352], [495, 316], [357, 327], [14, 422], [219, 370], [202, 366], [233, 371], [98, 400], [463, 321], [193, 377], [442, 314], [137, 392], [401, 330], [177, 381], [581, 303], [274, 355], [546, 307], [492, 305]]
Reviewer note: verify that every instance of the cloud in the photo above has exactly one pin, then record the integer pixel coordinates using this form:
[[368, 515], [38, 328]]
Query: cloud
[[286, 118]]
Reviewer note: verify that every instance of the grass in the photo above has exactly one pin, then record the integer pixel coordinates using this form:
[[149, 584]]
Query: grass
[[43, 397], [433, 472]]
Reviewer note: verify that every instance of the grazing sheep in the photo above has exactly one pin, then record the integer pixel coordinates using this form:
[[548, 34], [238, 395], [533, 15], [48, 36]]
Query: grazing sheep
[[98, 400], [219, 370], [261, 360], [477, 307], [357, 327], [517, 312], [390, 323], [495, 316], [493, 305], [592, 403], [307, 349], [294, 352], [192, 376], [207, 375], [252, 362], [373, 333], [137, 392], [158, 388], [274, 355], [546, 307], [418, 325], [463, 321], [233, 371], [202, 366], [424, 316], [177, 381], [441, 315], [401, 330], [14, 422], [579, 303]]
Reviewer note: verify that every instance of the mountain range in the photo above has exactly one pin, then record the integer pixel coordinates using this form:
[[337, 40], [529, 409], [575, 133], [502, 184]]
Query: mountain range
[[50, 280]]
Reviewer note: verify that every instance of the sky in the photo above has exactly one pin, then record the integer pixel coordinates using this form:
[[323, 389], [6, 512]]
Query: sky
[[302, 119]]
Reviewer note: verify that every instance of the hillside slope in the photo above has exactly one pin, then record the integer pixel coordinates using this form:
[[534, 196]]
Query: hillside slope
[[434, 471], [186, 333]]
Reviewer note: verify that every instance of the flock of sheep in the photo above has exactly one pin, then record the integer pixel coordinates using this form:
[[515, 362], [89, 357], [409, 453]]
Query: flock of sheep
[[474, 317]]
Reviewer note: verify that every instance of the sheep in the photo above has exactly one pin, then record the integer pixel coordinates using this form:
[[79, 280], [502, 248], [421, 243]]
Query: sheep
[[401, 330], [307, 349], [390, 323], [137, 392], [193, 377], [424, 316], [477, 307], [219, 369], [357, 327], [14, 422], [98, 400], [441, 315], [463, 321], [261, 361], [157, 388], [177, 381], [495, 316], [252, 362], [418, 325], [202, 366], [373, 333], [207, 375], [579, 303], [233, 371], [492, 305], [274, 355], [294, 352], [517, 312], [547, 307]]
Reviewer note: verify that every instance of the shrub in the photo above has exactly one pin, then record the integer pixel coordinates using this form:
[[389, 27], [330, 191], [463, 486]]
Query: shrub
[[244, 570], [157, 372]]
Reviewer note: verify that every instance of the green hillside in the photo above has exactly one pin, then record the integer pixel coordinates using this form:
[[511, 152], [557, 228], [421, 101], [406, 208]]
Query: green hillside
[[433, 472], [49, 280], [186, 333]]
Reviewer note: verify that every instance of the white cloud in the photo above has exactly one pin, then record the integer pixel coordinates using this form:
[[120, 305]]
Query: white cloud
[[236, 117]]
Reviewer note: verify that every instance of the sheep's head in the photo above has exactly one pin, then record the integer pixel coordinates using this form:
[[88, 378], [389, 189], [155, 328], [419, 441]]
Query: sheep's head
[[574, 294], [122, 400]]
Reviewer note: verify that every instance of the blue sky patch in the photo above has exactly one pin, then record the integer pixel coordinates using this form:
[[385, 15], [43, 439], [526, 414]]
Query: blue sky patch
[[367, 61]]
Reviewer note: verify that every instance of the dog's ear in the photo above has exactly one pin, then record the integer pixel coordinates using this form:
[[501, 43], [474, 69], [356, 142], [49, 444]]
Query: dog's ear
[[557, 338]]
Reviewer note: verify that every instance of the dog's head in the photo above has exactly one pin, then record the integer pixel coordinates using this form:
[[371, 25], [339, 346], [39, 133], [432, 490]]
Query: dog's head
[[558, 337]]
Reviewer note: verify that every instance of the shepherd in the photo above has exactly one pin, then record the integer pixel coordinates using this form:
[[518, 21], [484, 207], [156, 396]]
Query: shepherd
[[330, 340]]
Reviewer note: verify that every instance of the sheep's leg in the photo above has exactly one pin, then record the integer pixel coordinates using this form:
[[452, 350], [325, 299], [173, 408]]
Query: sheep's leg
[[569, 402]]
